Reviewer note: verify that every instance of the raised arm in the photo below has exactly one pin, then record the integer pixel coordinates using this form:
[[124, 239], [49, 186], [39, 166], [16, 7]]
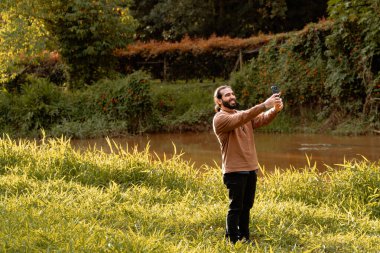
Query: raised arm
[[228, 118], [266, 117], [225, 122]]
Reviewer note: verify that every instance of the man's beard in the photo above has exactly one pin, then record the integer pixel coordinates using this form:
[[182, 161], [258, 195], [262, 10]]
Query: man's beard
[[228, 105]]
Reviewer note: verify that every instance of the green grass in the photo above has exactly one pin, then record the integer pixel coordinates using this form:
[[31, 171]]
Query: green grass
[[55, 199]]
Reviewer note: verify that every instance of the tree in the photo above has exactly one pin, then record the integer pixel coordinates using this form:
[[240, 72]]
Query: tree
[[19, 38], [178, 18], [84, 32], [172, 20]]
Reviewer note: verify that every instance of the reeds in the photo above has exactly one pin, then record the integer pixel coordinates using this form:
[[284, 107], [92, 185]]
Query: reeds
[[56, 199]]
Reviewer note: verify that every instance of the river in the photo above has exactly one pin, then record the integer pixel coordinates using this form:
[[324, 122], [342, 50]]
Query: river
[[281, 150]]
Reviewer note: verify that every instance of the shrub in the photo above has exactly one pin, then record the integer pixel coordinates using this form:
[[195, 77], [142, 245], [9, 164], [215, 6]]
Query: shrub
[[126, 99], [316, 74], [296, 64], [354, 53], [38, 106], [184, 106], [109, 107]]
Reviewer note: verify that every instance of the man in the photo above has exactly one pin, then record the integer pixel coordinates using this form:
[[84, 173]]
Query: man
[[234, 130]]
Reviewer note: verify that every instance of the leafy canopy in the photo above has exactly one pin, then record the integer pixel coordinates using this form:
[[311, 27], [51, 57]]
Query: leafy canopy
[[84, 32], [172, 20]]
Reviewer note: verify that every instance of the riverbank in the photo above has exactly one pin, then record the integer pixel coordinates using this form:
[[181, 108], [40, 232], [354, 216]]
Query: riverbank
[[57, 199], [138, 105], [273, 149]]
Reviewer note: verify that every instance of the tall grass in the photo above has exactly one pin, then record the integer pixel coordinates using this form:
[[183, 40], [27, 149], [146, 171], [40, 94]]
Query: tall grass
[[56, 199]]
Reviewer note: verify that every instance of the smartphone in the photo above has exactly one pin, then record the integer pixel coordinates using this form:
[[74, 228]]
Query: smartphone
[[275, 89]]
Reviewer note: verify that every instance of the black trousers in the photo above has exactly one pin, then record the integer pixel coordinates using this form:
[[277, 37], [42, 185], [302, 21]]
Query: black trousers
[[241, 192]]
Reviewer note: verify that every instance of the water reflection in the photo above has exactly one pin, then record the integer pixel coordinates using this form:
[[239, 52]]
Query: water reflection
[[281, 150]]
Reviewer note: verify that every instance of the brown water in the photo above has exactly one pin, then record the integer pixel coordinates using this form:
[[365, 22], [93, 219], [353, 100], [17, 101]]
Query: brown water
[[281, 150]]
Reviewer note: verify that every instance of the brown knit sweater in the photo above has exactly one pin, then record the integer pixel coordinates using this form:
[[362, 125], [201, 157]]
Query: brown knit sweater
[[234, 130]]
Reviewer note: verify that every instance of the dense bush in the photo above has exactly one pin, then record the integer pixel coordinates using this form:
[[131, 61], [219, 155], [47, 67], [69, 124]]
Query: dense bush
[[184, 106], [122, 105], [46, 65], [353, 53], [296, 65], [316, 75], [126, 99], [39, 105]]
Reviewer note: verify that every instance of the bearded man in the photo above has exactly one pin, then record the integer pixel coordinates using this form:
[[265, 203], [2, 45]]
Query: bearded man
[[234, 130]]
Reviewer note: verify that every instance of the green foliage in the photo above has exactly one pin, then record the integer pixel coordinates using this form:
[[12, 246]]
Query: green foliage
[[319, 70], [184, 106], [38, 106], [44, 65], [106, 108], [20, 37], [88, 34], [353, 50], [85, 33], [297, 65], [58, 199], [242, 18], [181, 17], [125, 99]]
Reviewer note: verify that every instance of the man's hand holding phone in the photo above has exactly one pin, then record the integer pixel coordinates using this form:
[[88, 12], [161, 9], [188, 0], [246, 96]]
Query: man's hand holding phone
[[278, 105]]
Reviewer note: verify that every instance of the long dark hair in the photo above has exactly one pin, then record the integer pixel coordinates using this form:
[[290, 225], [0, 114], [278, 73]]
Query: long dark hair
[[218, 95]]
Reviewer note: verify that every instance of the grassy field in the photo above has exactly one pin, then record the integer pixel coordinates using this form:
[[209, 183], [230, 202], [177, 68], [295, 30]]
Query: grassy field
[[55, 199]]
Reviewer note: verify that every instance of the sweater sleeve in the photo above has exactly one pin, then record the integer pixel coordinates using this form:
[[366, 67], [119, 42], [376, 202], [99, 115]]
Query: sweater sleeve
[[225, 122], [264, 118]]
